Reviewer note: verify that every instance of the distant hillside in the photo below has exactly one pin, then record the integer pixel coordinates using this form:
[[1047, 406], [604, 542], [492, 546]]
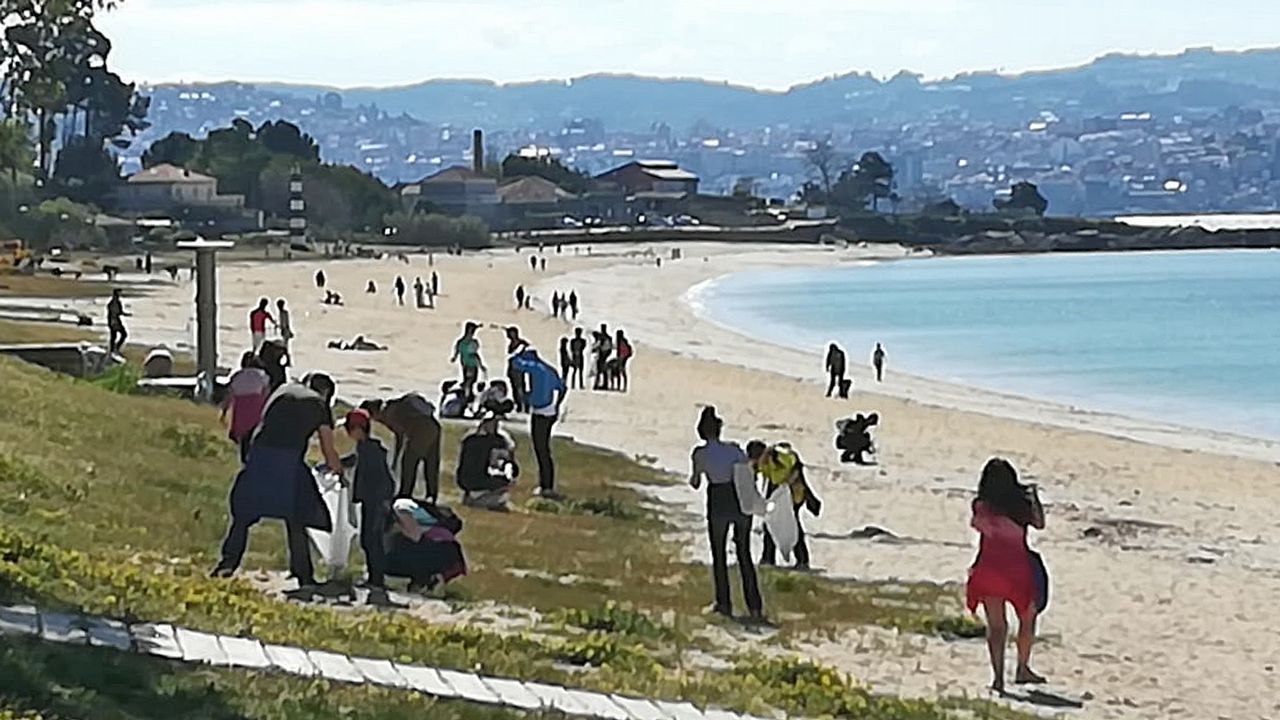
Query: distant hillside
[[1114, 83]]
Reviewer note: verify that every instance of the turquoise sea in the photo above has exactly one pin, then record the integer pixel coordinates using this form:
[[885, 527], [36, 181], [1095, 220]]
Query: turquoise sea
[[1185, 337]]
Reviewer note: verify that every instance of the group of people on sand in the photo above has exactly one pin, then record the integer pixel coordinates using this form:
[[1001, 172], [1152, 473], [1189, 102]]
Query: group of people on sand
[[1006, 571], [564, 306], [837, 368], [610, 358]]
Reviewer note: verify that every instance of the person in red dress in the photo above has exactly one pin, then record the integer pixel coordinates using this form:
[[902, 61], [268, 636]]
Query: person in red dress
[[1006, 570]]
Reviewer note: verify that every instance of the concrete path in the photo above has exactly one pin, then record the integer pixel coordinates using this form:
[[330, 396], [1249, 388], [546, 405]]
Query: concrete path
[[173, 643]]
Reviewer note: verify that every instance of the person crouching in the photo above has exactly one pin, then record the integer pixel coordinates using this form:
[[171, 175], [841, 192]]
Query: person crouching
[[486, 466], [373, 489], [423, 545]]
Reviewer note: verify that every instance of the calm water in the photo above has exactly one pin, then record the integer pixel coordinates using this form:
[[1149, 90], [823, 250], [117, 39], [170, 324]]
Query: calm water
[[1189, 337]]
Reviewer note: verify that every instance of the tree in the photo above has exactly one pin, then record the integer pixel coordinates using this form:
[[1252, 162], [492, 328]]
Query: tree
[[15, 147], [86, 171], [176, 148], [873, 176], [1023, 196], [823, 160], [437, 230], [547, 168]]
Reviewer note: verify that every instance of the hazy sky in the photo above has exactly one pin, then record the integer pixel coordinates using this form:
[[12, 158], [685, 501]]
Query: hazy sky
[[766, 43]]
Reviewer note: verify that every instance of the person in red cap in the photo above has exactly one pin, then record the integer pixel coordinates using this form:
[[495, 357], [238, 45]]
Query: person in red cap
[[373, 489]]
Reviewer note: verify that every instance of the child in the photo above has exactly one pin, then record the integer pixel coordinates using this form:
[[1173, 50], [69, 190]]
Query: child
[[374, 488]]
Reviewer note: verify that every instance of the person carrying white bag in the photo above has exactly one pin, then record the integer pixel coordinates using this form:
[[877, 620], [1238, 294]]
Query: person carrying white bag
[[788, 491]]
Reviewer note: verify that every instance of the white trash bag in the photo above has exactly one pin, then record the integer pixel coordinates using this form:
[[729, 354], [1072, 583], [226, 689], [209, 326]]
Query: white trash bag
[[335, 547], [780, 522], [750, 501]]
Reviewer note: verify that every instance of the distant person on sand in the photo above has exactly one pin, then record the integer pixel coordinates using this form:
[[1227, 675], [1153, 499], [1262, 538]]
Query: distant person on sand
[[373, 488], [417, 433], [877, 362], [783, 474], [546, 395], [400, 290], [836, 367], [258, 319], [566, 359], [466, 352], [116, 314], [577, 354], [435, 283], [285, 323], [555, 304], [247, 393], [419, 293], [1006, 569], [371, 288], [716, 460], [543, 263], [603, 352], [623, 351], [276, 482], [515, 346], [573, 303], [533, 263], [320, 279], [519, 297]]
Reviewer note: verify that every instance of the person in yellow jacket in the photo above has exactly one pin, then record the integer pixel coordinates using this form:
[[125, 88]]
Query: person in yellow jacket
[[781, 469]]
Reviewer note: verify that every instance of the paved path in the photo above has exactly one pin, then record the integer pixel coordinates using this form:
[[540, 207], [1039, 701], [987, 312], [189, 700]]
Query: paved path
[[175, 643]]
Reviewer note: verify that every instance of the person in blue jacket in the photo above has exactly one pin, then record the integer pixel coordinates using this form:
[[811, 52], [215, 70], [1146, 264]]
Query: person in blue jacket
[[546, 395]]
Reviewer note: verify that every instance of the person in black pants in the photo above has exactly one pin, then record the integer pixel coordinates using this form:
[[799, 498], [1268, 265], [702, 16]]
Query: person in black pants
[[836, 366], [546, 395], [715, 460], [519, 391], [373, 489], [275, 482]]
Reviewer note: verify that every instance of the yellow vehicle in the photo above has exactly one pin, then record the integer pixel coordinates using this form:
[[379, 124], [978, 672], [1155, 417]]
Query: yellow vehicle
[[13, 253]]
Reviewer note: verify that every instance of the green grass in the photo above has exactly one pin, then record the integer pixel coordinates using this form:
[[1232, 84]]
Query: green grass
[[41, 681], [115, 504], [14, 284]]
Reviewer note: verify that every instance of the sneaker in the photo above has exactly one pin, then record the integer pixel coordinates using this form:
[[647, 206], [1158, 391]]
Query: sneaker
[[547, 494]]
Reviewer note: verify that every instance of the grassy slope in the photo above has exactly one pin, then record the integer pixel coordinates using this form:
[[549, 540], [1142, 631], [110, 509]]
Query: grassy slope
[[116, 504]]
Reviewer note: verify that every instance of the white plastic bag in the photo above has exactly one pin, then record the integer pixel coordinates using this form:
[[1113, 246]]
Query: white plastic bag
[[750, 502], [335, 547], [780, 522]]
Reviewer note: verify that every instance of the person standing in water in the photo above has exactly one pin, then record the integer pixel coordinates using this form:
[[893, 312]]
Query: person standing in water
[[835, 368], [285, 323], [716, 461], [877, 362], [115, 323], [1006, 571]]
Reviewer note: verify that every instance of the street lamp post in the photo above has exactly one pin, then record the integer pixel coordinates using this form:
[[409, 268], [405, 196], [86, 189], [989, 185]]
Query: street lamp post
[[206, 311]]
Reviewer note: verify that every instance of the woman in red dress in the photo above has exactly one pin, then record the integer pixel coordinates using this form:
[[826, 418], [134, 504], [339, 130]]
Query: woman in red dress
[[1005, 570]]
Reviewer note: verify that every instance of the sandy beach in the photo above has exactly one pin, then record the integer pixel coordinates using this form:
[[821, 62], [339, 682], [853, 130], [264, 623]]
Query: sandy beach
[[1161, 541]]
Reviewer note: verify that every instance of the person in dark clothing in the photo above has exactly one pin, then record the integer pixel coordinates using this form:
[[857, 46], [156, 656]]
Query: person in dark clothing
[[877, 361], [716, 461], [320, 279], [573, 303], [373, 489], [274, 359], [115, 323], [435, 283], [276, 482], [577, 356], [533, 263], [417, 447], [566, 358], [519, 297], [783, 474], [835, 369], [486, 464], [519, 384], [400, 290], [546, 395], [423, 544]]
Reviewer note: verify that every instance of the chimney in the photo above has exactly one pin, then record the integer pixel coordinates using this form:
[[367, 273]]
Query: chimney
[[477, 151]]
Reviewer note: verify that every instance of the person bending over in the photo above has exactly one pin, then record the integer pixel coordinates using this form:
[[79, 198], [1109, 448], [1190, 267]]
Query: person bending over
[[417, 440]]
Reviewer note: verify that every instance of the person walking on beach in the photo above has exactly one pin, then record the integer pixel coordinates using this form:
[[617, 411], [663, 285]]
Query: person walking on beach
[[783, 474], [285, 323], [515, 346], [573, 303], [276, 482], [519, 297], [624, 351], [716, 460], [116, 314], [400, 290], [877, 362], [577, 356], [546, 395], [258, 319], [247, 393], [466, 352], [1006, 570], [835, 369]]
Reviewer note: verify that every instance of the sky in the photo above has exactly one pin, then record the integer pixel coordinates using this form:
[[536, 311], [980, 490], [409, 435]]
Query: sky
[[763, 43]]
